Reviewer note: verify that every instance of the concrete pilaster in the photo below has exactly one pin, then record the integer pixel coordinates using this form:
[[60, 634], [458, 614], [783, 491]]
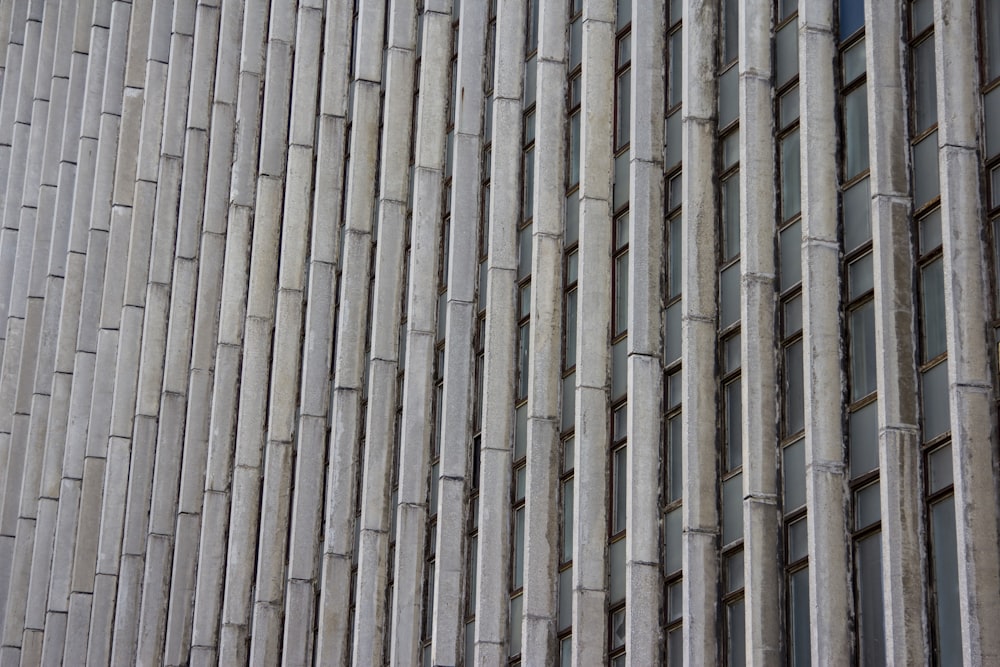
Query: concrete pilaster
[[593, 361], [493, 560], [966, 285], [829, 584], [643, 585], [700, 513]]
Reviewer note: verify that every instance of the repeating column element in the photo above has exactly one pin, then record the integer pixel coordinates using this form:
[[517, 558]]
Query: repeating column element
[[966, 289], [698, 327], [758, 354], [493, 561], [822, 368], [593, 361]]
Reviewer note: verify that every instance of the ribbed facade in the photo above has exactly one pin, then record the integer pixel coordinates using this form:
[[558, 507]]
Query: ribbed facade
[[499, 332]]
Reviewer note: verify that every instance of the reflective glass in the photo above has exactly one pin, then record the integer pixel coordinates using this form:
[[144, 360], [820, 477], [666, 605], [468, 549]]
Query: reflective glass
[[921, 15], [569, 449], [790, 244], [730, 149], [860, 277], [731, 354], [672, 534], [992, 40], [731, 217], [991, 112], [623, 109], [798, 540], [863, 444], [730, 299], [867, 506], [786, 53], [855, 132], [734, 572], [788, 107], [676, 69], [520, 432], [674, 459], [624, 14], [574, 149], [528, 197], [674, 266], [565, 652], [621, 181], [924, 85], [618, 631], [793, 475], [729, 97], [734, 426], [944, 553], [794, 389], [565, 618], [523, 344], [793, 315], [621, 293], [852, 17], [930, 231], [934, 397], [732, 509], [516, 605], [673, 327], [871, 632], [939, 469], [786, 7], [673, 149], [674, 191], [799, 626], [675, 647], [524, 252], [617, 554], [675, 601], [571, 316], [933, 312], [854, 61], [518, 547], [569, 402], [925, 171], [857, 215], [730, 30], [791, 176], [619, 369], [676, 11], [524, 300], [572, 218], [575, 43], [736, 653], [530, 81], [863, 355], [674, 390]]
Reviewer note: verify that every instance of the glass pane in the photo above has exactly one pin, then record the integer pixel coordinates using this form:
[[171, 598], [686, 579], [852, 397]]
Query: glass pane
[[676, 69], [854, 61], [791, 176], [530, 72], [730, 30], [520, 432], [572, 218], [620, 516], [673, 342], [736, 648], [793, 315], [932, 302], [944, 552], [524, 252], [675, 601], [925, 171], [520, 483], [794, 389], [786, 53], [624, 14], [731, 354], [855, 132], [860, 276], [676, 11], [619, 369], [863, 444], [621, 294], [991, 103], [789, 107], [924, 85], [863, 356], [731, 217], [569, 449], [523, 340], [672, 535], [937, 419], [470, 638], [867, 506], [675, 459], [619, 423], [673, 390], [673, 134], [939, 467], [574, 149], [565, 652], [729, 97], [528, 201], [871, 634], [524, 300], [571, 315], [730, 298], [798, 613], [732, 509], [675, 647], [734, 426], [618, 632], [791, 255], [930, 231], [992, 40], [674, 266], [617, 553], [921, 15], [675, 192], [731, 149], [852, 17], [794, 475], [569, 401], [565, 618], [516, 604], [734, 572], [623, 109], [994, 183], [575, 43], [857, 215], [798, 540], [621, 181], [518, 548], [786, 7]]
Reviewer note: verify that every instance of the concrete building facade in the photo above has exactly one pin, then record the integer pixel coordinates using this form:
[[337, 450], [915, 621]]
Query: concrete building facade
[[541, 332]]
